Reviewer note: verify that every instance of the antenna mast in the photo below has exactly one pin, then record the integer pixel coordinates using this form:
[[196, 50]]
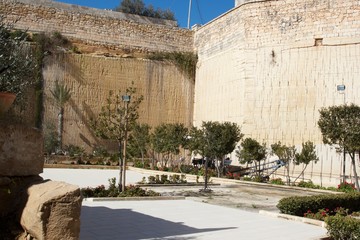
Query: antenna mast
[[189, 14]]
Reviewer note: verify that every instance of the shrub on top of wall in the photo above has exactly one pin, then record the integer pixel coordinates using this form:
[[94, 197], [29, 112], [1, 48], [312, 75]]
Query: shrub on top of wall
[[299, 205]]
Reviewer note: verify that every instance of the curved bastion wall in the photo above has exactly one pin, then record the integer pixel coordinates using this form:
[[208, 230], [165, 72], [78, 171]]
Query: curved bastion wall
[[271, 65]]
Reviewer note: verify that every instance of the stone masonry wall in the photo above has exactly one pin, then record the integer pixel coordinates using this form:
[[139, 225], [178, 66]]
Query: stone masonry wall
[[275, 64], [104, 27]]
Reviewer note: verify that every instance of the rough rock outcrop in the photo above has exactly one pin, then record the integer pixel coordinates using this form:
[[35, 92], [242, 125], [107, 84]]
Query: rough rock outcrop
[[52, 211]]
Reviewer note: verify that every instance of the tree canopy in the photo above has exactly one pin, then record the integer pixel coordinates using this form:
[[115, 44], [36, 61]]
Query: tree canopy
[[340, 125], [214, 139], [251, 150], [110, 123], [167, 139]]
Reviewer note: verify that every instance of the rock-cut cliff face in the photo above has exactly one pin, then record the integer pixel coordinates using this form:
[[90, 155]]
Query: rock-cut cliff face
[[168, 92]]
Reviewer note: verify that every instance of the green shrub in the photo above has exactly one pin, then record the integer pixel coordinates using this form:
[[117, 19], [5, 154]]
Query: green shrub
[[298, 206], [309, 184], [188, 169], [138, 163], [164, 179], [257, 178], [136, 191], [113, 191], [346, 187], [74, 150], [343, 228], [320, 215], [277, 181], [247, 179]]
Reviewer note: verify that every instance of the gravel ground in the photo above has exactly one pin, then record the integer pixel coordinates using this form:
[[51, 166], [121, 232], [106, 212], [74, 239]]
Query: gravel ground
[[242, 196]]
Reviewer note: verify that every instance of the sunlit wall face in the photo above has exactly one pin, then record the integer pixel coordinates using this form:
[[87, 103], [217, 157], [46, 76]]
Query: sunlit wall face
[[270, 68]]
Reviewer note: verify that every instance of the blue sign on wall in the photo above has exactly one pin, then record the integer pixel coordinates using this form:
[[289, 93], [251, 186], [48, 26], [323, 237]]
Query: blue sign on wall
[[340, 87]]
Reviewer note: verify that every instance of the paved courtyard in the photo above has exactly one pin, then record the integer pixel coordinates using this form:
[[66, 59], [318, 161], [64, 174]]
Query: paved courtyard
[[172, 219]]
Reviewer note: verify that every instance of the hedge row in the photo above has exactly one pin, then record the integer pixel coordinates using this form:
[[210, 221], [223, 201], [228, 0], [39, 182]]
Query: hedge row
[[299, 205], [343, 228]]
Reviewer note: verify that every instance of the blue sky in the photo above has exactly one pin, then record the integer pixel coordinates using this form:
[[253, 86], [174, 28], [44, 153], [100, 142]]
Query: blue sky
[[202, 11]]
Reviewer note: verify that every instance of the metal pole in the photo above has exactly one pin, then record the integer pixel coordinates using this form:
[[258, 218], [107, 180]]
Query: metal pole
[[189, 14], [344, 170], [206, 173], [125, 143], [344, 177], [120, 166]]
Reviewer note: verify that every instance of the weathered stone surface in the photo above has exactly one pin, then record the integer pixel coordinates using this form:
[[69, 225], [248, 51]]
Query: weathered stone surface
[[52, 211], [21, 151]]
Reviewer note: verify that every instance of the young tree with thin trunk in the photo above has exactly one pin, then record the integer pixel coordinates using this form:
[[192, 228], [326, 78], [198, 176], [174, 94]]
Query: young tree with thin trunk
[[306, 156], [139, 140], [114, 122], [285, 154]]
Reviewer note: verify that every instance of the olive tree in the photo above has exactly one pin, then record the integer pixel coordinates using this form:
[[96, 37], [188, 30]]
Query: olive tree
[[167, 139], [251, 151], [340, 126], [213, 140]]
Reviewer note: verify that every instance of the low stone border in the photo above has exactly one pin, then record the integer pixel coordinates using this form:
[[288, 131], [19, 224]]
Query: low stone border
[[214, 180], [294, 218], [298, 219], [176, 185], [217, 180], [103, 199], [76, 166]]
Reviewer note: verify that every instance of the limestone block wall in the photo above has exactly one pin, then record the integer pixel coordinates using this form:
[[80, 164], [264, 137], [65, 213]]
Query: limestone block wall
[[95, 26], [275, 64], [168, 92]]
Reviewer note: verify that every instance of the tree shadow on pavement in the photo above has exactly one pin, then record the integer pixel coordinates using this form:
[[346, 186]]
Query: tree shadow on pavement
[[105, 224]]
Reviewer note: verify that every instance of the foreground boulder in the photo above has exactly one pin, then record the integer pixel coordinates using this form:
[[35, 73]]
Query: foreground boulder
[[52, 211]]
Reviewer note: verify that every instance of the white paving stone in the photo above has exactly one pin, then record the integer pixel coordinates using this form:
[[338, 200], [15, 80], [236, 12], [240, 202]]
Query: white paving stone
[[172, 219]]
